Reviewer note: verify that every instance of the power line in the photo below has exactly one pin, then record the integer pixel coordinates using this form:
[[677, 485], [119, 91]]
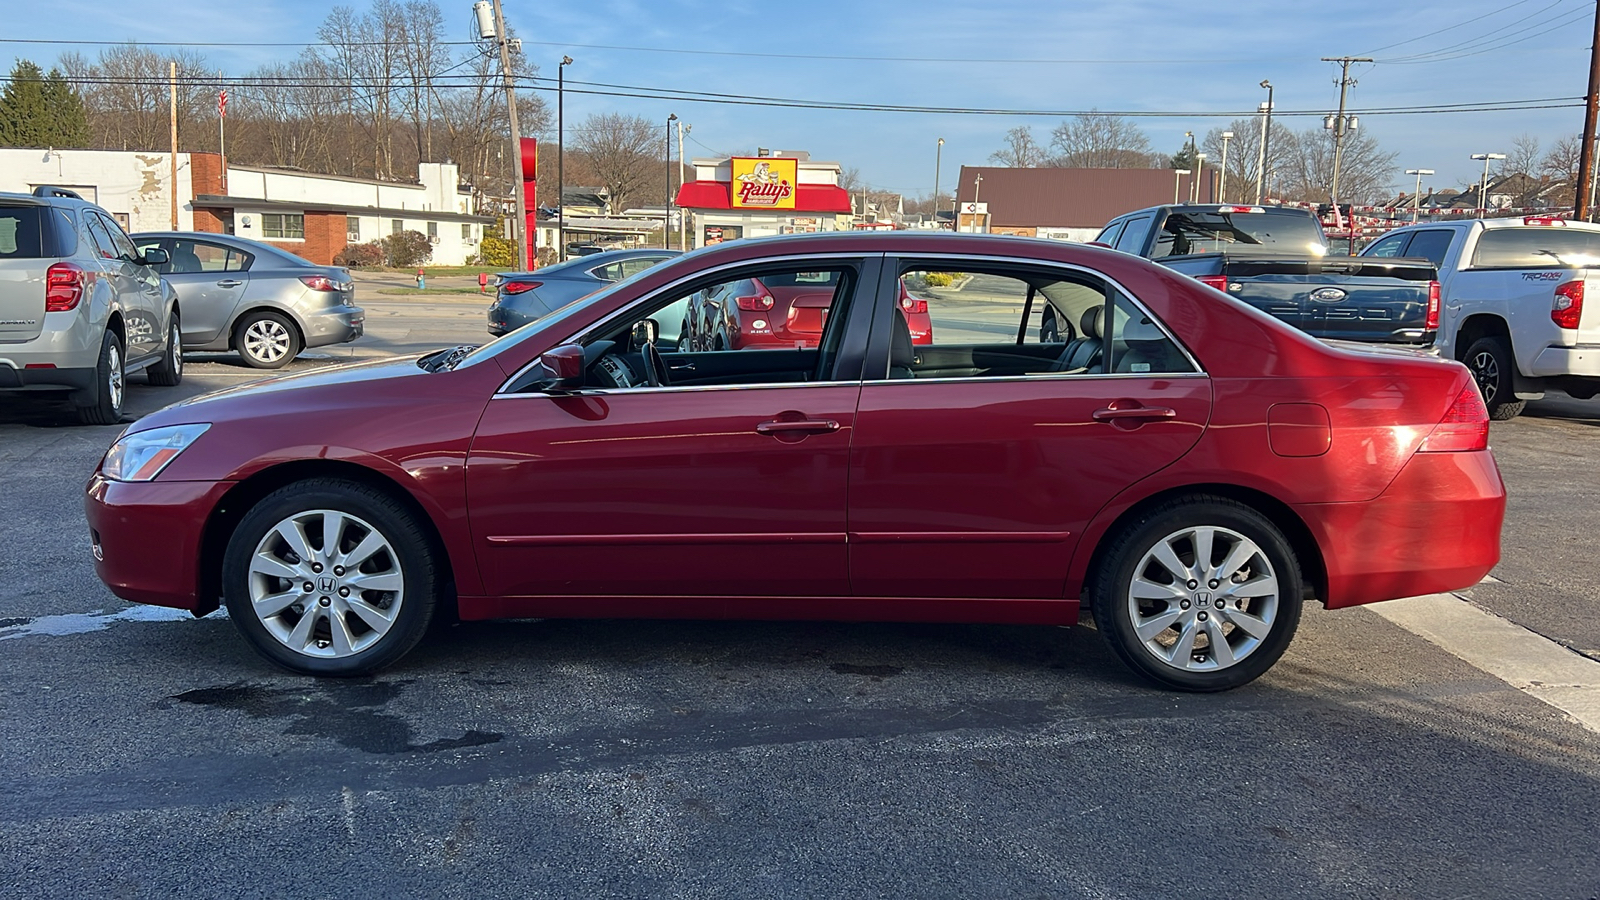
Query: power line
[[1460, 24], [1494, 41]]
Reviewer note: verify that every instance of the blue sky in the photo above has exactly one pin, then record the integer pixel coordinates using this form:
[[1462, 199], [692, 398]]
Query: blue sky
[[1225, 50]]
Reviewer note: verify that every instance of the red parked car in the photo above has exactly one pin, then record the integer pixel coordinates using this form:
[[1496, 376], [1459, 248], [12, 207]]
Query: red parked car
[[1192, 469], [786, 310]]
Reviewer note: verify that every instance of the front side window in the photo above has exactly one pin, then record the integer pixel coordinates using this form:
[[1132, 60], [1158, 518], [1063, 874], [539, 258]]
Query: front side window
[[283, 226], [1004, 323], [767, 325], [1132, 238], [1431, 245]]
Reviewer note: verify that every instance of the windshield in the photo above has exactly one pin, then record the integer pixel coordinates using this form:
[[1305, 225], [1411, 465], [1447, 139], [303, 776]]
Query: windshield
[[1210, 231]]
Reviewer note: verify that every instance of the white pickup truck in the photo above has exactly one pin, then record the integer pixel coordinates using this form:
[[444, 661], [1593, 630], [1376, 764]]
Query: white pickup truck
[[1513, 295]]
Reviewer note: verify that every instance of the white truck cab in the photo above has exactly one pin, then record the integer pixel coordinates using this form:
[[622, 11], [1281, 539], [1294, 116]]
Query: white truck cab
[[1513, 294]]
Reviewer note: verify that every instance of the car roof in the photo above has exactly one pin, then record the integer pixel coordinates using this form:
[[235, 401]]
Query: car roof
[[260, 248], [589, 261]]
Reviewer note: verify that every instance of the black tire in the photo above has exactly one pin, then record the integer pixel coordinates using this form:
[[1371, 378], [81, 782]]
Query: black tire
[[110, 384], [407, 549], [267, 340], [1490, 360], [169, 371], [1203, 608]]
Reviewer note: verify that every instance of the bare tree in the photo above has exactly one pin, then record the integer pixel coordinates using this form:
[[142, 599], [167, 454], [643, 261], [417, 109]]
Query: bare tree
[[1560, 166], [125, 96], [1244, 151], [1522, 158], [1366, 172], [424, 53], [621, 151], [1021, 150], [1098, 141]]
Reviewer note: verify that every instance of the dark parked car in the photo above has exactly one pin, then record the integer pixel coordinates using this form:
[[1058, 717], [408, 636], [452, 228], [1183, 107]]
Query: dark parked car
[[522, 297], [261, 301], [784, 310], [1187, 466]]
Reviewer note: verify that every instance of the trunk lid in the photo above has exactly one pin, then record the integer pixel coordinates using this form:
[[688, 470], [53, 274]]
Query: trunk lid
[[22, 271]]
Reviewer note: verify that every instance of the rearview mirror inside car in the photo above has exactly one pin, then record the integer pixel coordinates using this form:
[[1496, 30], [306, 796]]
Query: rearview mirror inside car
[[563, 368]]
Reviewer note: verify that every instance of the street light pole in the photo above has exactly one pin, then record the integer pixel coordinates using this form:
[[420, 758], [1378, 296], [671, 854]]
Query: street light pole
[[976, 184], [683, 217], [1177, 180], [1266, 137], [666, 217], [1483, 185], [938, 156], [1226, 137], [561, 158], [1416, 199], [1199, 174]]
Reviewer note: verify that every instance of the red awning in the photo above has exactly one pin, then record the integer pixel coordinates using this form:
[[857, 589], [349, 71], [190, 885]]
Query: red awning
[[809, 198]]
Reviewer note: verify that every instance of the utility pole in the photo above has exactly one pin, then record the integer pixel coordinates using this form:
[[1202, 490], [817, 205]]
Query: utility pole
[[683, 216], [1340, 124], [1583, 201], [976, 184], [561, 158], [222, 131], [172, 83], [521, 231]]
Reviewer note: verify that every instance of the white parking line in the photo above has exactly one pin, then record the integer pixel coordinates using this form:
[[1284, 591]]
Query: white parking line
[[1535, 665]]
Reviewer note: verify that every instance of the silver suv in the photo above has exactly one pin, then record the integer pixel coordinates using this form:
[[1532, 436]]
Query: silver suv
[[80, 307]]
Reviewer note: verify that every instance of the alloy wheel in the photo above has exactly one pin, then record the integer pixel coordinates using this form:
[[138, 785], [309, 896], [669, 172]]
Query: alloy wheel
[[1203, 599], [267, 340], [114, 380], [326, 584], [1486, 371]]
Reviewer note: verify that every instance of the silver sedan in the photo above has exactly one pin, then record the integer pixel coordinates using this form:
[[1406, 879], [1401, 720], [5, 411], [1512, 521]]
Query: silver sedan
[[265, 303]]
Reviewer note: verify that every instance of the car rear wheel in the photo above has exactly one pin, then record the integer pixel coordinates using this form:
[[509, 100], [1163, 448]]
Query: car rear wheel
[[1490, 360], [110, 380], [267, 340], [1200, 594], [169, 371], [330, 577]]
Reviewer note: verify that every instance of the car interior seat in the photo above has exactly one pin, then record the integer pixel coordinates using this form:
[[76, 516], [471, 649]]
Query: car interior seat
[[902, 353], [183, 260], [1083, 353]]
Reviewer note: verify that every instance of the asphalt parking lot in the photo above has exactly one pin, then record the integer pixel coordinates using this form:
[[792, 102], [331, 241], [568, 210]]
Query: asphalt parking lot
[[147, 753]]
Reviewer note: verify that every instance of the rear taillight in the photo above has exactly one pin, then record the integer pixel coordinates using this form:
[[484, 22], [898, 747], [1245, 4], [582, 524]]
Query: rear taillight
[[1240, 209], [1464, 427], [912, 304], [1567, 307], [1432, 323], [63, 287], [1543, 220], [1220, 282], [754, 303], [319, 282], [520, 287]]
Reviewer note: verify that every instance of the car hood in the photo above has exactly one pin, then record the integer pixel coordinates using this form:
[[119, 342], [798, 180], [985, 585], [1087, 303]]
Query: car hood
[[271, 394]]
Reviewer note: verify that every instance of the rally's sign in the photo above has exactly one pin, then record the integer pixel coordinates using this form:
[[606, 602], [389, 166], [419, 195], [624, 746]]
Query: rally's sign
[[764, 183]]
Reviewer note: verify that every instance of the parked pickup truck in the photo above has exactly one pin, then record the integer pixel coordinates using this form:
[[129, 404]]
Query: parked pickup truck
[[1276, 259], [1514, 291]]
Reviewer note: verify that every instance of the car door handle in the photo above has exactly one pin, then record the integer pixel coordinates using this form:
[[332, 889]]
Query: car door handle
[[229, 283], [681, 367], [1112, 414], [803, 426]]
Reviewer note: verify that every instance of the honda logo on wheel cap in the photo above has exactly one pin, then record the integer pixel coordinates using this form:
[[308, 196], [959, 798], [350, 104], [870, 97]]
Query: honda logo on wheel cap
[[325, 584]]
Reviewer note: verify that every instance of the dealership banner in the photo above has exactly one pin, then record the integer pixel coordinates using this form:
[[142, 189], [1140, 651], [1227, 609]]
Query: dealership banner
[[764, 183]]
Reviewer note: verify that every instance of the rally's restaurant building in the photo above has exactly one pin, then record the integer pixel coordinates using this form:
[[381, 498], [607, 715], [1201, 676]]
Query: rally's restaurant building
[[779, 192]]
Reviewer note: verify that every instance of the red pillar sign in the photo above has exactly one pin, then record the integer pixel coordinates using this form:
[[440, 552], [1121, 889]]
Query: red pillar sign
[[530, 194]]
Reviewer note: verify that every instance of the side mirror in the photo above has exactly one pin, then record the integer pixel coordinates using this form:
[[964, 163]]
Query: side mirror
[[155, 256], [563, 368], [645, 331]]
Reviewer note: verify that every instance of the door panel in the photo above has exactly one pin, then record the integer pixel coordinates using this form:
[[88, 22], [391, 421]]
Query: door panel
[[981, 488], [664, 492]]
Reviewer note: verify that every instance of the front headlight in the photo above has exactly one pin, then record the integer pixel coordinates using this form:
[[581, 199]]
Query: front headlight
[[142, 456]]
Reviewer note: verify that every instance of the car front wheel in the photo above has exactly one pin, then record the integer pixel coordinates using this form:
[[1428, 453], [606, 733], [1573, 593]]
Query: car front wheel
[[330, 577], [1200, 594]]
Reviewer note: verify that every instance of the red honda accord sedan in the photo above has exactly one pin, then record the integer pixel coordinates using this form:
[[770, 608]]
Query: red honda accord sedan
[[1190, 468]]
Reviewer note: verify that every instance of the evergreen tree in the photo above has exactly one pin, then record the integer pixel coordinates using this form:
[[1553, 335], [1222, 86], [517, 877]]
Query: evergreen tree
[[37, 110]]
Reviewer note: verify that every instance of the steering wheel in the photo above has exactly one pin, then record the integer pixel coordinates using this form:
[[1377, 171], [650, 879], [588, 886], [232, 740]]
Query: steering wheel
[[655, 368]]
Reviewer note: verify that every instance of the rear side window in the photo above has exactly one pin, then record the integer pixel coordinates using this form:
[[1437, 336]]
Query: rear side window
[[1536, 247], [1388, 248], [21, 232], [1431, 245]]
